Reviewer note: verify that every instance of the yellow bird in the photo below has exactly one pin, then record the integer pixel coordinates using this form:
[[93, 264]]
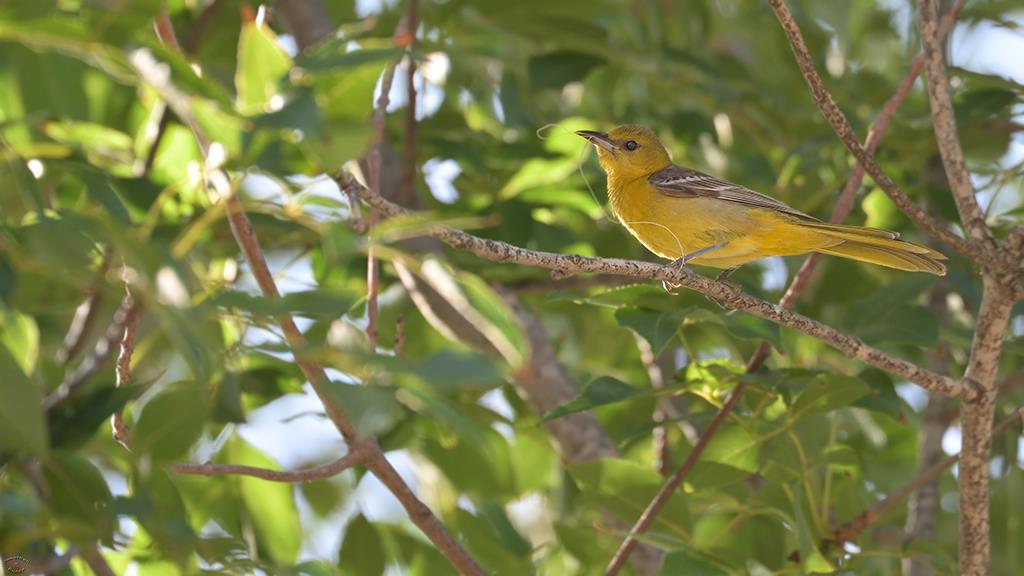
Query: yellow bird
[[688, 216]]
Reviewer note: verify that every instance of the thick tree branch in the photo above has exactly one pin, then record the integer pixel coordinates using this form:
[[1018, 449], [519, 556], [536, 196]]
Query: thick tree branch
[[835, 117], [354, 457], [729, 295], [245, 235], [944, 123], [976, 428]]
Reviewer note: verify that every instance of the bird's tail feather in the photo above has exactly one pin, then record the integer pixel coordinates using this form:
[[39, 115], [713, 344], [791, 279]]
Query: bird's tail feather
[[880, 247]]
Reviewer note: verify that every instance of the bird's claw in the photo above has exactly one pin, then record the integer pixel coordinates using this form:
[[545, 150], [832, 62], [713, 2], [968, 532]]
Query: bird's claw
[[678, 264]]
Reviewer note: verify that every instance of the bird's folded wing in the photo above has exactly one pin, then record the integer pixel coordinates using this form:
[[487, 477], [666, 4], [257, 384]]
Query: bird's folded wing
[[687, 183]]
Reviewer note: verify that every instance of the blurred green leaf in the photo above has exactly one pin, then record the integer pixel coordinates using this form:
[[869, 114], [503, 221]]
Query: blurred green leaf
[[658, 328], [21, 417], [604, 390], [270, 506], [362, 552], [261, 63], [687, 562], [79, 497], [828, 392], [373, 409], [20, 334], [171, 421]]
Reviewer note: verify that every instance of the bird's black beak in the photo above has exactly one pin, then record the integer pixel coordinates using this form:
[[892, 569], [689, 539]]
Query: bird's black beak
[[598, 139]]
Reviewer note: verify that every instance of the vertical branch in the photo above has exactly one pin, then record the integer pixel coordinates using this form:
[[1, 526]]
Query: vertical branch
[[407, 189], [945, 127], [373, 160], [976, 424], [123, 372]]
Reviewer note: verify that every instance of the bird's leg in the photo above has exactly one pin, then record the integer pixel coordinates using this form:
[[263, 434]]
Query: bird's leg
[[682, 264]]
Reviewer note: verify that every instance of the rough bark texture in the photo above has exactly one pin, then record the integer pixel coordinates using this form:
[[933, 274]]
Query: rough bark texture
[[976, 425]]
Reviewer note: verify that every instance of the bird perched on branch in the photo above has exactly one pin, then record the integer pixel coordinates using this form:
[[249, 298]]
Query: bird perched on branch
[[688, 216]]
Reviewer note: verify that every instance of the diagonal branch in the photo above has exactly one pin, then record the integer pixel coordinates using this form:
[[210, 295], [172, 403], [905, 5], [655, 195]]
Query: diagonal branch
[[730, 296], [835, 117], [945, 128], [245, 235]]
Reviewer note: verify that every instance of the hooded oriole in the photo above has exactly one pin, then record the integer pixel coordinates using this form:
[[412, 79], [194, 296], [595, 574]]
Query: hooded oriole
[[688, 216]]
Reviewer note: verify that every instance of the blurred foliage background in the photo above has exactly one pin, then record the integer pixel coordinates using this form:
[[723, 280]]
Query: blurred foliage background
[[88, 202]]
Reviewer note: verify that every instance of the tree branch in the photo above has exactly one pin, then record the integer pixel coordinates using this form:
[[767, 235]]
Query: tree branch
[[123, 372], [841, 126], [976, 427], [878, 130], [100, 353], [729, 295], [355, 457], [245, 235], [945, 128]]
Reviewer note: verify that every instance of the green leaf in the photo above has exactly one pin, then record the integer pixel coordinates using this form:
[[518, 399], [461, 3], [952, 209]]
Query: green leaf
[[733, 446], [334, 55], [79, 497], [688, 562], [20, 334], [811, 559], [658, 328], [605, 390], [362, 552], [76, 419], [626, 488], [311, 303], [270, 505], [261, 63], [373, 408], [171, 422], [828, 392], [22, 427]]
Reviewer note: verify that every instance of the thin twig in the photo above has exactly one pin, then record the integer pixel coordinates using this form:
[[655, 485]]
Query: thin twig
[[407, 190], [245, 236], [353, 458], [944, 124], [373, 161], [399, 335], [123, 372], [852, 529], [100, 353], [729, 295], [841, 126]]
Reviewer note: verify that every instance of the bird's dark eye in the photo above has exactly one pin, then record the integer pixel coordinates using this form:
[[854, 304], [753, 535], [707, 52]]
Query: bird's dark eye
[[631, 145]]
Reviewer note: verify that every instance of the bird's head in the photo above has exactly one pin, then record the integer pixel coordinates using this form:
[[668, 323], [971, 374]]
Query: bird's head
[[629, 151]]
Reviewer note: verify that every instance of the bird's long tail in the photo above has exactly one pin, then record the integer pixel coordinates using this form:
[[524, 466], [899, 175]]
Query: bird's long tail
[[879, 247]]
